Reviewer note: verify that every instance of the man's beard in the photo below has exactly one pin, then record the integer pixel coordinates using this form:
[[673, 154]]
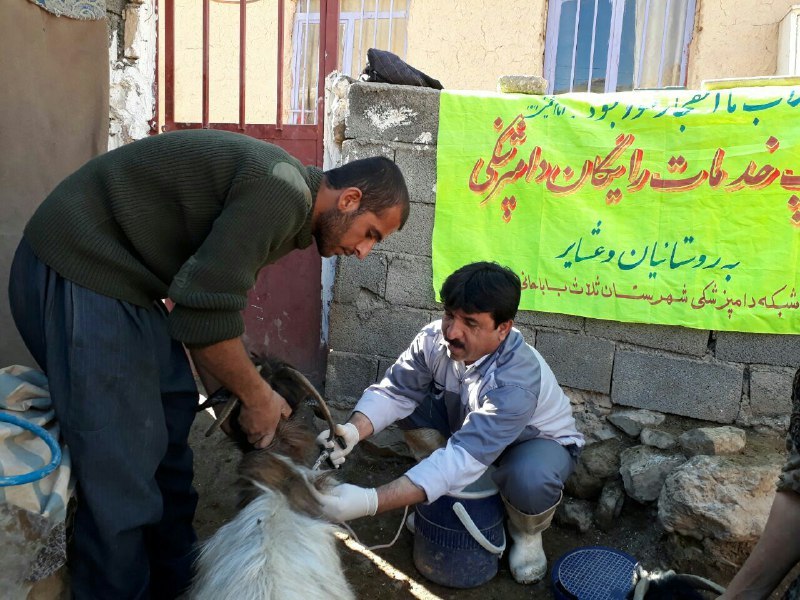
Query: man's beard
[[330, 228]]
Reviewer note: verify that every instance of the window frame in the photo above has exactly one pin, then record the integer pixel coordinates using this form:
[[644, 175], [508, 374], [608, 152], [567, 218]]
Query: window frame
[[350, 20], [614, 43]]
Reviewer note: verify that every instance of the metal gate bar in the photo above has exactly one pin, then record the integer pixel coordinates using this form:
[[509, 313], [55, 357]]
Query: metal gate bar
[[293, 137]]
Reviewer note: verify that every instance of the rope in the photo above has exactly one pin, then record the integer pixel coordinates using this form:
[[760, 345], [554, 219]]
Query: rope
[[379, 546]]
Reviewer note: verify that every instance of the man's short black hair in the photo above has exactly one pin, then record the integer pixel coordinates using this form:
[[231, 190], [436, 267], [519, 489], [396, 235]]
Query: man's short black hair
[[381, 183], [483, 287]]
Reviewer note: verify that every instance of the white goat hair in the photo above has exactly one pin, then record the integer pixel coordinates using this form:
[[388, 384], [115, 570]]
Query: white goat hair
[[271, 552], [278, 547]]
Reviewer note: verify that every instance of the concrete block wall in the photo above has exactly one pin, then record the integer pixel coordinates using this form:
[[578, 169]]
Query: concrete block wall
[[380, 303]]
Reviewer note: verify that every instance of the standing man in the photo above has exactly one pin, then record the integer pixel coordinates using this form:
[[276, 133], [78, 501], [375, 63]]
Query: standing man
[[469, 393], [191, 216]]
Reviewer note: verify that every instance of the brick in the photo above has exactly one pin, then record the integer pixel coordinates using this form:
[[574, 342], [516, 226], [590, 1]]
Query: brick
[[663, 337], [383, 365], [361, 148], [537, 318], [416, 161], [415, 237], [353, 275], [396, 113], [348, 375], [578, 361], [418, 164], [409, 282], [529, 333], [381, 330], [131, 17], [761, 348], [771, 391], [522, 84], [708, 390]]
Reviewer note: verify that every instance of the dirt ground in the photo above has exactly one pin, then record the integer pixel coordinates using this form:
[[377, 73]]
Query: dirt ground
[[395, 577]]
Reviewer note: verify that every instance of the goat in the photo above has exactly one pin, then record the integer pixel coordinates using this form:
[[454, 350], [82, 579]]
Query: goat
[[668, 585], [279, 546]]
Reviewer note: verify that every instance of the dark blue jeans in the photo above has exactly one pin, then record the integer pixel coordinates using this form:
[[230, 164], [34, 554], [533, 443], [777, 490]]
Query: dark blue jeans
[[125, 399], [529, 474]]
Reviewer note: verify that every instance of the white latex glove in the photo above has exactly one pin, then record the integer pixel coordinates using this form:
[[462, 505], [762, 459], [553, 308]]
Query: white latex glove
[[346, 502], [348, 433]]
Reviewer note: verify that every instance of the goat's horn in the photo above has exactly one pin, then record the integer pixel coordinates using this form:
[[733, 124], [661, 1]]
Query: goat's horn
[[226, 410], [223, 415], [641, 588], [301, 379]]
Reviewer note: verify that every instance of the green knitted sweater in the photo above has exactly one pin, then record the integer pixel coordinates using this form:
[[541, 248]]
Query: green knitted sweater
[[191, 216]]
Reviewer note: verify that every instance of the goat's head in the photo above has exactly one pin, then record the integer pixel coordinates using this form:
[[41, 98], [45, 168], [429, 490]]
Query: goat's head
[[246, 558], [668, 585], [283, 464], [284, 379]]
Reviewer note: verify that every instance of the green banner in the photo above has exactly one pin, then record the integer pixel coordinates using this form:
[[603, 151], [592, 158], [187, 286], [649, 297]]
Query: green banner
[[671, 207]]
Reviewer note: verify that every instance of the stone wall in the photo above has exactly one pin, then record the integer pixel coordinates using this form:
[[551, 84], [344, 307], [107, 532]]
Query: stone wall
[[132, 70], [380, 303], [656, 403]]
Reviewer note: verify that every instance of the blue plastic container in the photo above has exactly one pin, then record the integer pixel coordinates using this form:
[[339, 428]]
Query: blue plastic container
[[459, 538]]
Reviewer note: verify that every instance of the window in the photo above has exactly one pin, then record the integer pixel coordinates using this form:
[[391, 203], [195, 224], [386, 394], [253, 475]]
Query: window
[[616, 45], [363, 24]]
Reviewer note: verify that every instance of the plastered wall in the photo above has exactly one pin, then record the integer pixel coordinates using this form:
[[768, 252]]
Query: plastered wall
[[55, 117], [735, 39], [261, 60], [472, 43], [467, 45]]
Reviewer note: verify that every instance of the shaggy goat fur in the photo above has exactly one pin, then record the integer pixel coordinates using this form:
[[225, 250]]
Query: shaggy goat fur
[[278, 547], [271, 552]]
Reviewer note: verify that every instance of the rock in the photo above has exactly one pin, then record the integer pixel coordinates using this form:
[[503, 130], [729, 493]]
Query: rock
[[597, 462], [644, 470], [575, 513], [633, 421], [657, 439], [610, 504], [582, 484], [602, 459], [522, 84], [593, 427], [713, 559], [713, 441], [724, 498], [604, 433]]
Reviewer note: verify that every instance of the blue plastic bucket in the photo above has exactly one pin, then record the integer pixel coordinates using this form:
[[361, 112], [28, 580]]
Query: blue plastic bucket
[[459, 538]]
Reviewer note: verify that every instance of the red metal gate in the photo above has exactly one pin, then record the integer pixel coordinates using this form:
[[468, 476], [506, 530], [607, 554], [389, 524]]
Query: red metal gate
[[283, 317]]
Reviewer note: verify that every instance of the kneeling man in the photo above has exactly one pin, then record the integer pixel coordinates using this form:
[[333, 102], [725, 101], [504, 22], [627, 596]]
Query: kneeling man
[[470, 393]]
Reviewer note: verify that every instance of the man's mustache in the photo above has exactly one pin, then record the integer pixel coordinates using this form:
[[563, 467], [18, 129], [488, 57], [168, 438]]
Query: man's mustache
[[454, 343]]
